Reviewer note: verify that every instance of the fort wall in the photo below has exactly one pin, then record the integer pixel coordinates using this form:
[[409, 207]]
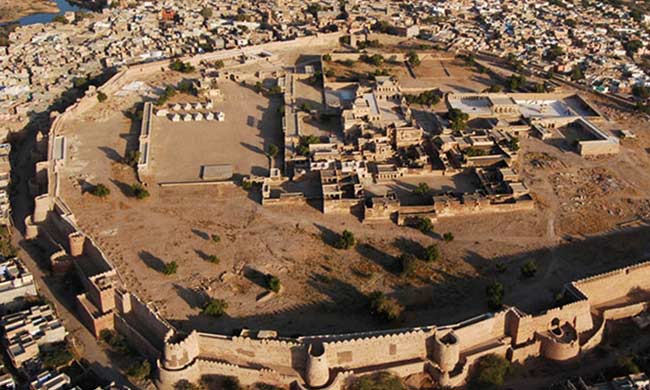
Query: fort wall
[[282, 362], [606, 287]]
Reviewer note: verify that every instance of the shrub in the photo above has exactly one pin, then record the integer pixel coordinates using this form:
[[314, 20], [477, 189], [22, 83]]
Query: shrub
[[273, 151], [626, 365], [408, 264], [180, 66], [413, 58], [101, 96], [306, 107], [216, 308], [140, 370], [424, 225], [231, 383], [346, 240], [490, 372], [387, 308], [100, 191], [378, 381], [327, 57], [214, 259], [448, 237], [218, 64], [187, 87], [422, 189], [215, 238], [495, 292], [501, 267], [139, 191], [431, 253], [60, 19], [273, 283], [132, 158], [116, 341], [529, 269], [56, 355], [247, 185], [184, 384], [170, 268]]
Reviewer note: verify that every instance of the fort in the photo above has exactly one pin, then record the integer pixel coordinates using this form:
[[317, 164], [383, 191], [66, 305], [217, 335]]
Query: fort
[[446, 352]]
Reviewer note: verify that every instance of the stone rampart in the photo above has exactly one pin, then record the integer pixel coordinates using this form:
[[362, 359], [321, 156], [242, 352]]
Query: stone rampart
[[297, 361]]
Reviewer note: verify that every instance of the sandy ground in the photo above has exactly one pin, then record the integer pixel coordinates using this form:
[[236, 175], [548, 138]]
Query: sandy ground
[[11, 10], [325, 288], [181, 148]]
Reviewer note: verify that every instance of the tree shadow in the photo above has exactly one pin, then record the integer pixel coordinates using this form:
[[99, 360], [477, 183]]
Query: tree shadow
[[124, 188], [201, 234], [255, 276], [329, 237], [111, 154], [152, 261], [195, 299], [204, 256], [388, 262], [406, 245]]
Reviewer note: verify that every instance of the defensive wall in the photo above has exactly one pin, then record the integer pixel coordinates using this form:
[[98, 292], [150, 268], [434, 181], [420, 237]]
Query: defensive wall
[[324, 361]]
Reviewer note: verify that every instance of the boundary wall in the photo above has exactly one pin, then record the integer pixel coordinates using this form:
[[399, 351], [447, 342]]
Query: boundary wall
[[328, 361]]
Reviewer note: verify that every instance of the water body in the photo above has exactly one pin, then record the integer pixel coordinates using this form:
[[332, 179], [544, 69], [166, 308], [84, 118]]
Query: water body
[[64, 6]]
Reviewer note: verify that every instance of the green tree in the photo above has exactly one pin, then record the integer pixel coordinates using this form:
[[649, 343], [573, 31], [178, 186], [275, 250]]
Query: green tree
[[529, 269], [424, 225], [387, 308], [379, 381], [413, 58], [259, 87], [408, 264], [56, 355], [214, 259], [170, 268], [345, 240], [139, 191], [431, 253], [231, 383], [641, 91], [448, 237], [100, 191], [458, 119], [272, 151], [101, 96], [182, 67], [140, 370], [490, 373], [218, 64], [184, 384], [60, 19], [327, 57], [422, 189], [273, 283], [495, 293], [215, 238], [132, 158], [215, 308], [576, 73]]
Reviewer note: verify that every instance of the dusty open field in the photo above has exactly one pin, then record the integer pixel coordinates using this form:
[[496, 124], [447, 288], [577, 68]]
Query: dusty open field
[[181, 148], [325, 288]]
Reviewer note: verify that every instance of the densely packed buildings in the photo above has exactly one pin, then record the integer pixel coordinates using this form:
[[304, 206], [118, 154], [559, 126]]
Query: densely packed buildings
[[602, 49]]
